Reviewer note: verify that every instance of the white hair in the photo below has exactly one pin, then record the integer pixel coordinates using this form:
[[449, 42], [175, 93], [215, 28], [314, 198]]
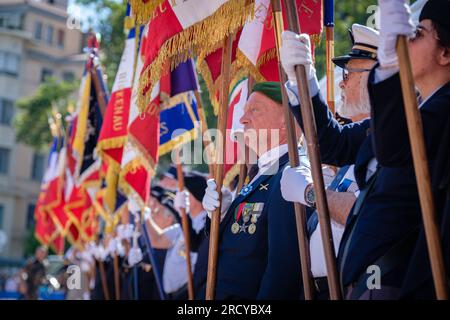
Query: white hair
[[362, 106]]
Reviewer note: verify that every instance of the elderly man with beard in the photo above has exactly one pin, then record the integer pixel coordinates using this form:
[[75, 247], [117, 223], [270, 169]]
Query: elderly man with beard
[[346, 146]]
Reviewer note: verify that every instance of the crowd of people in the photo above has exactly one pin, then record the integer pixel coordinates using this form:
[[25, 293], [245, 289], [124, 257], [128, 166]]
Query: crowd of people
[[373, 198]]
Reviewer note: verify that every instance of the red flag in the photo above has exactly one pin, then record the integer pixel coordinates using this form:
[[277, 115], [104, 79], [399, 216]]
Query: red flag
[[257, 47], [180, 29]]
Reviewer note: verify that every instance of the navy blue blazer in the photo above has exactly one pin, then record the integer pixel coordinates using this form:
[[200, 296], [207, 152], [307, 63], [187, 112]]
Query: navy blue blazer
[[265, 264], [389, 211], [393, 150]]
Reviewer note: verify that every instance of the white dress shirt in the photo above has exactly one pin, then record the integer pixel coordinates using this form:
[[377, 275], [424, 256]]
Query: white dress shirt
[[175, 271]]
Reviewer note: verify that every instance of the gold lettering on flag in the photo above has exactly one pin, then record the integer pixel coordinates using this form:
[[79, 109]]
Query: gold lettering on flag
[[118, 112]]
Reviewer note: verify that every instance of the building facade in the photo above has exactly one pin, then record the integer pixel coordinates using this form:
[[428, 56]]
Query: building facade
[[35, 43]]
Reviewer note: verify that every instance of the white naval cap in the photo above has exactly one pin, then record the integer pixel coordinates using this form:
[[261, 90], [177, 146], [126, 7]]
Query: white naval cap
[[365, 44]]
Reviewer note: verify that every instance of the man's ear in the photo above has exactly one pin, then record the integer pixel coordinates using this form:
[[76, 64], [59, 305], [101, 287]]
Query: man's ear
[[444, 57]]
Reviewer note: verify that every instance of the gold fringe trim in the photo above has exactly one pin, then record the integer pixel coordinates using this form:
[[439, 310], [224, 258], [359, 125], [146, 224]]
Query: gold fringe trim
[[145, 158], [126, 188], [237, 73], [244, 63], [266, 57], [143, 11], [233, 172], [202, 37], [128, 23], [181, 139], [316, 38], [111, 143]]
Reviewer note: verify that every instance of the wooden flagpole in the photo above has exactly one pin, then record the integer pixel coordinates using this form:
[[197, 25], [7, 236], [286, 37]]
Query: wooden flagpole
[[103, 278], [329, 33], [316, 165], [300, 212], [116, 276], [185, 225], [415, 130], [218, 174]]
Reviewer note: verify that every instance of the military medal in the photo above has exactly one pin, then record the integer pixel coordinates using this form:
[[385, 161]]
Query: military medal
[[235, 228], [252, 228]]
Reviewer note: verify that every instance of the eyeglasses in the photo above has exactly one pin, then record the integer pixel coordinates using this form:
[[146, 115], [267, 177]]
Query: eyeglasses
[[419, 32], [346, 71]]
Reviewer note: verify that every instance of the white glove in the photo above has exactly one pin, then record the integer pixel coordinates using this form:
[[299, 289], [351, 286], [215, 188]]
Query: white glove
[[120, 249], [294, 182], [181, 201], [101, 253], [296, 50], [134, 256], [211, 199], [395, 20], [112, 246], [124, 231]]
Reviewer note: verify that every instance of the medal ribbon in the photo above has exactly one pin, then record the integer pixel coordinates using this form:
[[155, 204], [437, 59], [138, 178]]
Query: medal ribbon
[[237, 214]]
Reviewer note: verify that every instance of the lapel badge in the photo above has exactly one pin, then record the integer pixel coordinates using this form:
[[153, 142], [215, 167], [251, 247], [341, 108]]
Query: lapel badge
[[263, 186], [246, 190]]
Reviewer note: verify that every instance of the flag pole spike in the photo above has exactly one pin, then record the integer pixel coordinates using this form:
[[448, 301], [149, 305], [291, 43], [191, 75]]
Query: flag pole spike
[[415, 131], [218, 174], [300, 212], [316, 165], [185, 225]]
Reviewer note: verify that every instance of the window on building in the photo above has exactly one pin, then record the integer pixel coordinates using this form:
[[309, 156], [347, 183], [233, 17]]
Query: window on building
[[2, 213], [45, 74], [68, 76], [49, 35], [37, 170], [11, 20], [38, 30], [6, 111], [30, 216], [9, 63], [4, 160], [60, 38]]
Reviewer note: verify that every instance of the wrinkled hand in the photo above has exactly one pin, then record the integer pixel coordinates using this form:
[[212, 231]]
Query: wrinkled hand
[[395, 20], [211, 199], [296, 50], [294, 182], [181, 201]]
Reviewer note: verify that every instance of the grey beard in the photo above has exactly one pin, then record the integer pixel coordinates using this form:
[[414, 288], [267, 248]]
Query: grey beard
[[348, 110]]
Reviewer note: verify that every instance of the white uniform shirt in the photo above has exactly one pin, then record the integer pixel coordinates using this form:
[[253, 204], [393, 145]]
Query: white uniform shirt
[[175, 271]]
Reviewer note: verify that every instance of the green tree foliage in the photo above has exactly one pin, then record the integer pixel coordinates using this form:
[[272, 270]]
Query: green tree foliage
[[345, 14], [111, 14], [31, 121]]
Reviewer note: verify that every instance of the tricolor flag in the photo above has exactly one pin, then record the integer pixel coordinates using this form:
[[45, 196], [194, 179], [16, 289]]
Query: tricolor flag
[[210, 68], [181, 29], [141, 148], [237, 101], [257, 47], [51, 221], [114, 131]]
